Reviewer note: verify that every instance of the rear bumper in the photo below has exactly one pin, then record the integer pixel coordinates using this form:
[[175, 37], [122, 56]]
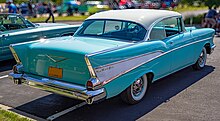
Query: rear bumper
[[62, 88]]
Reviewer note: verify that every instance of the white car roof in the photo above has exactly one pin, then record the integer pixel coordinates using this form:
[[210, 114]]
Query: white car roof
[[145, 17]]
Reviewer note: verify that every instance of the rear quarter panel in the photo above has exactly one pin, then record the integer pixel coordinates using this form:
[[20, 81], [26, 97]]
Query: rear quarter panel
[[145, 56], [201, 38]]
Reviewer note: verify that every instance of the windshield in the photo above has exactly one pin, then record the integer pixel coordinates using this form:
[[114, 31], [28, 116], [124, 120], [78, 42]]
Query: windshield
[[13, 22], [122, 30]]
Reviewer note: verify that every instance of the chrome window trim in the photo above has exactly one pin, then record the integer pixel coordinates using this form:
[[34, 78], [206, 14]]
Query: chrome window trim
[[156, 22], [145, 38]]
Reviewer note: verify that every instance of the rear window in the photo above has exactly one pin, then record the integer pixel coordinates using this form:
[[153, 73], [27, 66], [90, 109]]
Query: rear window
[[122, 30]]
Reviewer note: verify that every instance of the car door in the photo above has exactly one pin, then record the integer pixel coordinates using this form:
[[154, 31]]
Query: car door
[[4, 49], [179, 41], [158, 35]]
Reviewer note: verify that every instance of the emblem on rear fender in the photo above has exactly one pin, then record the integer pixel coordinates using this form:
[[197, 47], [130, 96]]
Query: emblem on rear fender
[[56, 59]]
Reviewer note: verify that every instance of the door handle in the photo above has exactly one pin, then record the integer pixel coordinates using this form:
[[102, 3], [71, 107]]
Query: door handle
[[5, 35], [170, 42]]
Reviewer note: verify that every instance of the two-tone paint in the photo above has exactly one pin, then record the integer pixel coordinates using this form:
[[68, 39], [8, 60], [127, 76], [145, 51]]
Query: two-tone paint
[[109, 66]]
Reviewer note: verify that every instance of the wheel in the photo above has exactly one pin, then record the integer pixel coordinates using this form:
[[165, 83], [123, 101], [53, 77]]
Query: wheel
[[200, 63], [136, 91]]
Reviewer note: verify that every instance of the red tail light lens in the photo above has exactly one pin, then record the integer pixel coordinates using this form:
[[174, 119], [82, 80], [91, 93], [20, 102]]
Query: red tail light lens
[[89, 85]]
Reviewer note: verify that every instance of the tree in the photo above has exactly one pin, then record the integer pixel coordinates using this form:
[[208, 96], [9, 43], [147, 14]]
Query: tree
[[187, 2], [209, 3]]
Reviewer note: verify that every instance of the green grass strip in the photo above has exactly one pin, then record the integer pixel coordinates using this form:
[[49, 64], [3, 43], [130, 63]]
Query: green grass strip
[[60, 18], [10, 116]]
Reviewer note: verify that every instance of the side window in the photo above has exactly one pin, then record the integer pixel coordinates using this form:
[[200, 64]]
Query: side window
[[95, 28], [113, 26], [166, 28], [11, 22], [172, 26], [158, 32], [11, 19]]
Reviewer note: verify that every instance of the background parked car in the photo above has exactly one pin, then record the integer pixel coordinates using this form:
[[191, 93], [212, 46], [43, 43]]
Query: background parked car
[[91, 7], [15, 29]]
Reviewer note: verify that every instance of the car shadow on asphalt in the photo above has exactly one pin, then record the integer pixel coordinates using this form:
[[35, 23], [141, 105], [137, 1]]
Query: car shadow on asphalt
[[114, 109], [6, 65]]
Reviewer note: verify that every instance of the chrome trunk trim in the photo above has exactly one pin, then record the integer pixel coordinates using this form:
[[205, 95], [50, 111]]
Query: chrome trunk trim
[[89, 65]]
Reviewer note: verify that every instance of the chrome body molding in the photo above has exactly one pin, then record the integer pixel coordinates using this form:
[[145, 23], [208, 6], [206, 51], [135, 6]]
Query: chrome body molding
[[17, 59], [56, 59], [40, 40], [188, 44], [111, 71], [62, 88], [4, 47], [108, 50]]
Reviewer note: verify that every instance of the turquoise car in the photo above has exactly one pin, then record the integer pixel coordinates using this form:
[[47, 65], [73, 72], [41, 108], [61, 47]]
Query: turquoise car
[[113, 52], [16, 29]]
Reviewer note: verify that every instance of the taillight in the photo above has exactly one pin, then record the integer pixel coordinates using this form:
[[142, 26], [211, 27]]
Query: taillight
[[93, 84], [89, 85]]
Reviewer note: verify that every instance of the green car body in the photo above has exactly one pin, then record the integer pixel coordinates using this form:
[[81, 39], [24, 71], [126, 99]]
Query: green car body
[[98, 66], [16, 29]]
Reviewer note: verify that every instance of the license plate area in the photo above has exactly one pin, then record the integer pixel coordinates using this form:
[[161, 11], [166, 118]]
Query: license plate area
[[55, 72]]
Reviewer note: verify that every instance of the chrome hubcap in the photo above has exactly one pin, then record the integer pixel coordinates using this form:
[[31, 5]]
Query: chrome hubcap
[[137, 87], [202, 59]]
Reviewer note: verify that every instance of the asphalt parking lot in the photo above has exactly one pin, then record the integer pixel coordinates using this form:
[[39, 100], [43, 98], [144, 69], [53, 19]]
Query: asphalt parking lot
[[185, 96]]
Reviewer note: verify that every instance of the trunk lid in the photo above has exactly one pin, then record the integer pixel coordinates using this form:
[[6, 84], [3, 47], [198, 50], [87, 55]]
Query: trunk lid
[[62, 58]]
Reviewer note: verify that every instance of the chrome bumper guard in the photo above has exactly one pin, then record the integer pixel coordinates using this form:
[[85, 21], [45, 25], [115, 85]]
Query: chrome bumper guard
[[62, 88], [212, 48]]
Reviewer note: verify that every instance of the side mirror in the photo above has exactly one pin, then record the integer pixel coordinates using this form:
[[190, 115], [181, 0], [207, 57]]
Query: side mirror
[[190, 30]]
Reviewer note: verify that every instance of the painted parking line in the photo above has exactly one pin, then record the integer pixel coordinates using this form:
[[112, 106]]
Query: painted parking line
[[2, 77], [51, 118]]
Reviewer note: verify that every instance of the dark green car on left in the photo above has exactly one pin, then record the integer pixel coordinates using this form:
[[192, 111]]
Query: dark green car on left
[[16, 29]]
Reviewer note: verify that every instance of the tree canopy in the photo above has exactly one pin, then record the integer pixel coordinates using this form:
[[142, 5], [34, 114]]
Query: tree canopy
[[209, 3]]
